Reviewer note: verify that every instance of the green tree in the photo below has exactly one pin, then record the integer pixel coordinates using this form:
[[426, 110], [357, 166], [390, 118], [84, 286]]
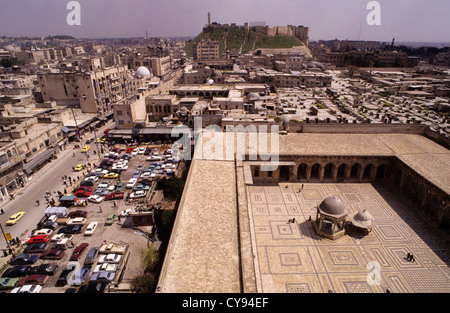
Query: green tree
[[144, 284], [151, 259], [10, 62], [173, 187]]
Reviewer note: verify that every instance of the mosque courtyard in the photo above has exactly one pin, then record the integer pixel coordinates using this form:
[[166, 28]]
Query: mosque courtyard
[[290, 257]]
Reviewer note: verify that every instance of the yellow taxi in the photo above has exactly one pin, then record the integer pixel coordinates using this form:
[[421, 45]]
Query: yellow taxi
[[86, 148], [79, 167], [15, 218], [111, 175]]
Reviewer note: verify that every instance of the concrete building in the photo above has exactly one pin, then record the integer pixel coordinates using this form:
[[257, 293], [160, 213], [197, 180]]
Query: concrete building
[[205, 50]]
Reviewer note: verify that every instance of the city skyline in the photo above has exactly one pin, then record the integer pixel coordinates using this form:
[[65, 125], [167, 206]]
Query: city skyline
[[404, 20]]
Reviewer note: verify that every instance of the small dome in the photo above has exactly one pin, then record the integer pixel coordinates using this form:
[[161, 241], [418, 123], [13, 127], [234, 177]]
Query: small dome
[[142, 71], [252, 96], [333, 206], [10, 48], [216, 74], [210, 81], [363, 219]]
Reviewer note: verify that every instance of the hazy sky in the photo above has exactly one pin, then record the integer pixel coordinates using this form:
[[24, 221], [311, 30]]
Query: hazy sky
[[406, 20]]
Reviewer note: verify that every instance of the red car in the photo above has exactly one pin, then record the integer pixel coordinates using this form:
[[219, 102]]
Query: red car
[[85, 188], [52, 254], [78, 251], [83, 193], [38, 239], [77, 213], [106, 131], [114, 195], [35, 279]]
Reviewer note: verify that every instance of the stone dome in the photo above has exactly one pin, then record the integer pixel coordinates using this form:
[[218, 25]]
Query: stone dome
[[210, 81], [142, 71], [252, 96], [362, 219], [333, 206]]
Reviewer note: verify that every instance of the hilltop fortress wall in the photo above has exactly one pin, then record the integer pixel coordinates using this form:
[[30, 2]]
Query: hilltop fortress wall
[[301, 32]]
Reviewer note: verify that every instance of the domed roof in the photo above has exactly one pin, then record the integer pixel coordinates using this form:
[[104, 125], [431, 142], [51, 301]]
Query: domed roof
[[333, 206], [216, 74], [10, 48], [142, 71], [210, 81], [253, 96], [362, 219]]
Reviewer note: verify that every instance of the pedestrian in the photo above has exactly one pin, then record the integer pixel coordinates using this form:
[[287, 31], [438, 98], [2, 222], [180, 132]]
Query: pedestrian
[[2, 212], [38, 203], [408, 256], [100, 209], [114, 203]]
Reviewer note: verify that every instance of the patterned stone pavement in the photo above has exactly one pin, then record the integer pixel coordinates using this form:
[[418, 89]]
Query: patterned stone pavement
[[290, 257]]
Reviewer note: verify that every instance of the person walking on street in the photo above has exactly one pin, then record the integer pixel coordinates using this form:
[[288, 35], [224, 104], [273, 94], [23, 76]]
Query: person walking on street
[[38, 203], [2, 212]]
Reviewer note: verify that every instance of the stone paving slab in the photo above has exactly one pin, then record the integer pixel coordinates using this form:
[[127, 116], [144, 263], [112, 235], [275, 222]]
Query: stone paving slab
[[292, 258]]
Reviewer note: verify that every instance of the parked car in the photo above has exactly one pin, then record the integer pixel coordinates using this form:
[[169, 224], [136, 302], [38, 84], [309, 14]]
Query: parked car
[[85, 148], [125, 212], [76, 221], [92, 287], [13, 219], [38, 239], [110, 258], [110, 219], [141, 187], [17, 271], [131, 183], [91, 256], [138, 194], [52, 254], [96, 198], [8, 283], [77, 213], [87, 188], [35, 248], [120, 187], [80, 276], [24, 259], [91, 177], [111, 175], [82, 193], [89, 183], [71, 229], [114, 195], [105, 267], [42, 231], [45, 269], [103, 277], [90, 229], [64, 276], [35, 279], [27, 289], [101, 192], [78, 251], [136, 174]]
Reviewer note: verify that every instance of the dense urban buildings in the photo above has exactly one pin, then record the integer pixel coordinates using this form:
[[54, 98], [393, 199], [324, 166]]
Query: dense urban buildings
[[358, 134]]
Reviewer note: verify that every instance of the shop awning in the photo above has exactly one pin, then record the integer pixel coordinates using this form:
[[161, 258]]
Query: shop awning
[[38, 160]]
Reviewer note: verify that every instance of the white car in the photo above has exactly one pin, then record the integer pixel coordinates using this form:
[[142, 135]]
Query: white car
[[76, 221], [146, 175], [99, 171], [110, 258], [135, 152], [95, 198], [125, 212], [105, 267], [141, 150], [120, 167], [27, 289], [131, 183], [90, 229], [91, 177], [43, 231], [106, 186], [138, 194]]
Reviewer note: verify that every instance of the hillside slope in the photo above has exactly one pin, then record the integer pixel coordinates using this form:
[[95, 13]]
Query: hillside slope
[[239, 40]]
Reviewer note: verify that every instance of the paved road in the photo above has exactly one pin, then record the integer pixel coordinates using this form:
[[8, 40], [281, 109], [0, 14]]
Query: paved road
[[46, 179]]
